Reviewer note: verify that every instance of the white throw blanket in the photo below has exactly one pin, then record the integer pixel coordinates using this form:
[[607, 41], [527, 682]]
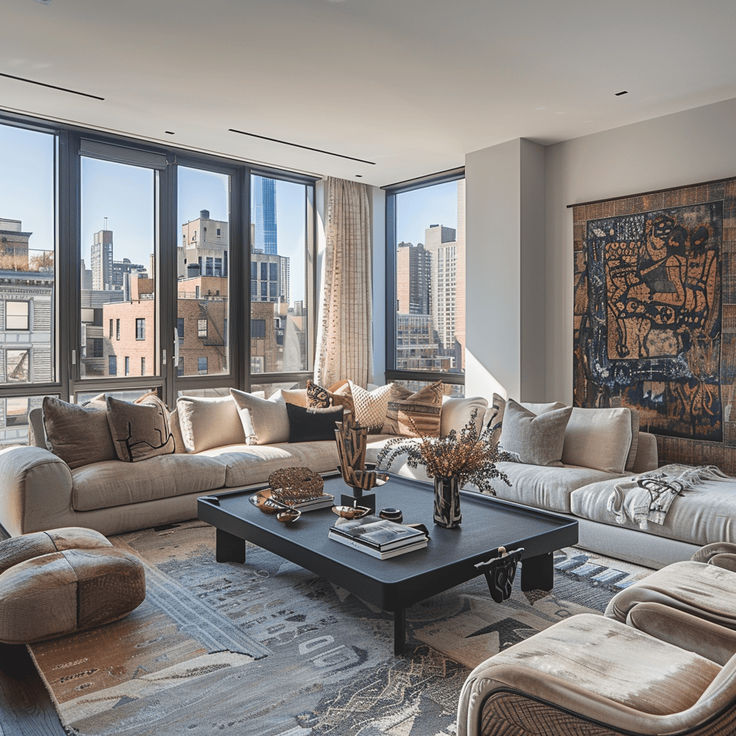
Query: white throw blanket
[[648, 497]]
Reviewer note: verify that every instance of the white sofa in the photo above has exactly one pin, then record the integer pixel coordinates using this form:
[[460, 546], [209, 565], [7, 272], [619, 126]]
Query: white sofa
[[39, 491]]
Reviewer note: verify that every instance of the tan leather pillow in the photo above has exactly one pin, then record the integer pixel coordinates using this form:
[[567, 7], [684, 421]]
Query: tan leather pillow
[[77, 435], [140, 430]]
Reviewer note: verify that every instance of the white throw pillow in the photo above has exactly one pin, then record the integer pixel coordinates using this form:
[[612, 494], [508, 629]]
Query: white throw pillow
[[371, 407], [598, 438], [456, 413], [208, 422], [263, 421]]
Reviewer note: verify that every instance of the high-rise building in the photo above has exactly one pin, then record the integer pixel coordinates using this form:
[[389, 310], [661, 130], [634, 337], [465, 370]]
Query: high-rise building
[[204, 248], [413, 264], [101, 261], [269, 278], [265, 233], [13, 245]]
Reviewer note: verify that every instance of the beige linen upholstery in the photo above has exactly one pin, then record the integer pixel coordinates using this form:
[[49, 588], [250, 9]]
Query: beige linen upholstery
[[67, 591], [647, 456], [116, 483], [706, 591], [263, 421], [248, 464], [208, 422], [456, 413], [702, 515], [598, 438], [536, 438], [598, 677], [721, 554]]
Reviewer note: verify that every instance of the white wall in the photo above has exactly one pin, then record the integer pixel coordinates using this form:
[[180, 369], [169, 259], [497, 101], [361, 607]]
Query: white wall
[[684, 148], [505, 270]]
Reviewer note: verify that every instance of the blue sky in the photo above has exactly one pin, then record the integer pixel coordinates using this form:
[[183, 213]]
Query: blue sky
[[420, 208]]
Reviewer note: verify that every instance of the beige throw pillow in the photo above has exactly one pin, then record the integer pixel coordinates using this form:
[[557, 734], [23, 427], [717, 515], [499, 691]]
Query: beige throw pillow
[[263, 421], [417, 414], [139, 430], [370, 407], [456, 413], [77, 435], [537, 439], [598, 438], [208, 422]]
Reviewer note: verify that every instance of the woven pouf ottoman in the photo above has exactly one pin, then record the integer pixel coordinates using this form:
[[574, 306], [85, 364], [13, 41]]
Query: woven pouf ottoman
[[63, 581]]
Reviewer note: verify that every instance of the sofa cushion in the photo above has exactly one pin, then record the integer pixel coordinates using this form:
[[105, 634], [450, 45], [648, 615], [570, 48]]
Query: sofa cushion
[[545, 487], [248, 464], [536, 438], [415, 415], [77, 435], [370, 407], [139, 430], [309, 425], [117, 483], [598, 438], [700, 516], [263, 421], [208, 422], [456, 413]]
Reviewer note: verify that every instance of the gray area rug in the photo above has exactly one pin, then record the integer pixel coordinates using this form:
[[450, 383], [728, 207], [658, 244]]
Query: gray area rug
[[269, 648]]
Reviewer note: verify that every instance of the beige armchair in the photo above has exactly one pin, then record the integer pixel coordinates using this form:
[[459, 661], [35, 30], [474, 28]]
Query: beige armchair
[[595, 676]]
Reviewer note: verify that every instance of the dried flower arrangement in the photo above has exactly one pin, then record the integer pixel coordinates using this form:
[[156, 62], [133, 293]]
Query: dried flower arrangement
[[470, 455]]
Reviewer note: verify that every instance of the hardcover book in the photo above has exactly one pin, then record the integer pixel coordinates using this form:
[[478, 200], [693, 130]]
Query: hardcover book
[[377, 533]]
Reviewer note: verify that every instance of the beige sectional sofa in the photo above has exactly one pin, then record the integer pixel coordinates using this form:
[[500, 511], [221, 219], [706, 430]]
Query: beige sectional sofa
[[39, 491]]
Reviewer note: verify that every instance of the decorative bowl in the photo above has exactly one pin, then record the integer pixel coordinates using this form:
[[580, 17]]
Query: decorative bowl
[[288, 516], [351, 512]]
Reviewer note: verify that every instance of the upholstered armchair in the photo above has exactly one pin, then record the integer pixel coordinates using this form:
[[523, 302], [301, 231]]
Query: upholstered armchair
[[594, 676], [704, 586]]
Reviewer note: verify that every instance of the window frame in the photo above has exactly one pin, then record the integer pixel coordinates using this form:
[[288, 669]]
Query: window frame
[[68, 152], [27, 328], [392, 373]]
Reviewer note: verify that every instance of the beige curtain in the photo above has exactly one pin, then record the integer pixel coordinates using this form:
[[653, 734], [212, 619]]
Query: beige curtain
[[344, 334]]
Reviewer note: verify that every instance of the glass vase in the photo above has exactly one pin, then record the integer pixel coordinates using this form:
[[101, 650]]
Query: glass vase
[[447, 502]]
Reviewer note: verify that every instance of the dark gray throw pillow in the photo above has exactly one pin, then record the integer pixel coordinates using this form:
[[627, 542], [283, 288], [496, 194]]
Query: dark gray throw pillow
[[537, 439], [77, 435], [139, 431], [309, 425]]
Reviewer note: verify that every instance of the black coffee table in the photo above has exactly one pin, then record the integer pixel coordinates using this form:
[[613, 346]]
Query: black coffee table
[[397, 583]]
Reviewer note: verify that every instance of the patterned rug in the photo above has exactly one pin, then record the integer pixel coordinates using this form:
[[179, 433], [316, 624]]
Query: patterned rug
[[269, 648]]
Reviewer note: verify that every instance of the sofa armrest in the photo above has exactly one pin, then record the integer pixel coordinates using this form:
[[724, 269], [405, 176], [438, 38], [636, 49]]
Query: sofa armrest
[[35, 488], [647, 457], [684, 630], [720, 554]]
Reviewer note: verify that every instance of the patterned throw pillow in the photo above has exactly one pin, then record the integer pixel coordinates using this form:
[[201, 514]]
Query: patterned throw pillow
[[415, 415], [319, 397], [140, 430], [370, 406]]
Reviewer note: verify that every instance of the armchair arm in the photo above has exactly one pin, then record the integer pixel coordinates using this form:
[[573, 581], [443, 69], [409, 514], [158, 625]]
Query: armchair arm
[[684, 630], [35, 489], [721, 554]]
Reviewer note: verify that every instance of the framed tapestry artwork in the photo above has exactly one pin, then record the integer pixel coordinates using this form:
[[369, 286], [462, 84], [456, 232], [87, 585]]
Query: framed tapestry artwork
[[655, 316]]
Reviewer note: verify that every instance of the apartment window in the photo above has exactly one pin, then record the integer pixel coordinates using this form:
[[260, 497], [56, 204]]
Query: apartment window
[[202, 365], [112, 365], [180, 327], [97, 346], [16, 412], [258, 328], [140, 328], [110, 330], [264, 271], [17, 315], [198, 190], [143, 366], [17, 366], [426, 260], [253, 270], [117, 329], [127, 365], [28, 161]]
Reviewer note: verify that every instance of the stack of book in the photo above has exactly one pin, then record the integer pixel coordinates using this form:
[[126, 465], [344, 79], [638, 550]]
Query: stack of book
[[324, 501], [378, 537]]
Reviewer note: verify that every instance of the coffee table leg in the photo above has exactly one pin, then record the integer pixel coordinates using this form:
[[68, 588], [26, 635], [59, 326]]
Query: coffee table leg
[[399, 630], [229, 547], [538, 573]]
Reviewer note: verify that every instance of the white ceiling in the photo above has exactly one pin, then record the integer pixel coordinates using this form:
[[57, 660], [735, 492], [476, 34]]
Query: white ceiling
[[412, 85]]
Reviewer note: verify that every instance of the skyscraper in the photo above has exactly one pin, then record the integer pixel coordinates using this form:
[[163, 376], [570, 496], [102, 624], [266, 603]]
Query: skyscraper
[[413, 264], [264, 215], [101, 261]]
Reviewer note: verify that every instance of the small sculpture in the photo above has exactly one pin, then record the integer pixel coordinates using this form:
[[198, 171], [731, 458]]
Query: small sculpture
[[292, 485]]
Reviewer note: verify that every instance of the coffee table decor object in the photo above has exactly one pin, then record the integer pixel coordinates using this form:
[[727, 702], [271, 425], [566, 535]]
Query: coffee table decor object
[[352, 440], [292, 485], [467, 456], [378, 537], [351, 512], [500, 572]]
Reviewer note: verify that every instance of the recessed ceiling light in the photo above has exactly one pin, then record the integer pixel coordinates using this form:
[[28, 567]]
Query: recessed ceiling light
[[44, 2], [169, 132], [622, 92], [360, 176]]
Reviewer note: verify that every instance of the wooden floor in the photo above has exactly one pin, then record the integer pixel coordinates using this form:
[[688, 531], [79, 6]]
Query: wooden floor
[[25, 706]]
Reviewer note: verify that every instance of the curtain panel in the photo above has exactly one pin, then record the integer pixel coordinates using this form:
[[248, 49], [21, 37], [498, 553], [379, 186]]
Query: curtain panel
[[344, 339]]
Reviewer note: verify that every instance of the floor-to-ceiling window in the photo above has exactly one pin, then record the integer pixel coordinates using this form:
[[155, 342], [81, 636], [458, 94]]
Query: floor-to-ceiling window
[[126, 267], [425, 302], [28, 237]]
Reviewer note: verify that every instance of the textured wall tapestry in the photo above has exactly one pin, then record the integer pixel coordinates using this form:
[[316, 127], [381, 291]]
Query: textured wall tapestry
[[655, 315]]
